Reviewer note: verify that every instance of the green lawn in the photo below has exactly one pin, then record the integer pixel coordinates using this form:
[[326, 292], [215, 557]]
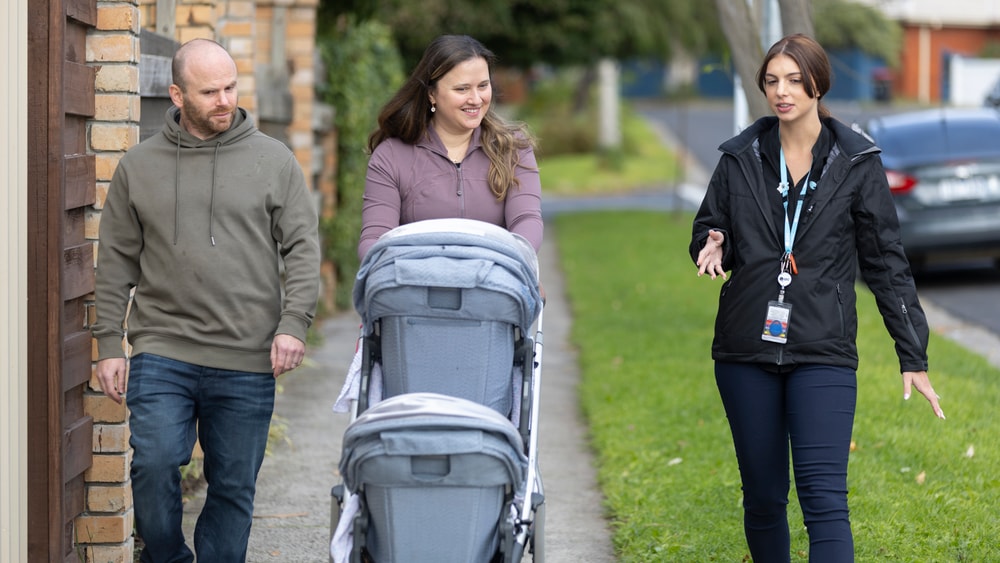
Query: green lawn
[[644, 163], [921, 489]]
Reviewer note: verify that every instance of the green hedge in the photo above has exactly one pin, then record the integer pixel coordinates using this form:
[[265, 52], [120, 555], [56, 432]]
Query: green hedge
[[364, 69]]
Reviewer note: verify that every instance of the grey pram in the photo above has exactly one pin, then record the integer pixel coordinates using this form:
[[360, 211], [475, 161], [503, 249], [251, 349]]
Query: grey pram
[[443, 466]]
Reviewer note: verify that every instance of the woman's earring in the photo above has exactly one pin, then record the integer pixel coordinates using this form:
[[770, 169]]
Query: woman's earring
[[433, 107]]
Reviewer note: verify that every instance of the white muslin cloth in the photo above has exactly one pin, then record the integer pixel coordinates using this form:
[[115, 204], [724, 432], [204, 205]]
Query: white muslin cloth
[[343, 537], [352, 385]]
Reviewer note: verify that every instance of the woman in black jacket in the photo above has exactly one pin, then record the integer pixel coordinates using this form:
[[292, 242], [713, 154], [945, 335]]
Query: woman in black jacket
[[796, 206]]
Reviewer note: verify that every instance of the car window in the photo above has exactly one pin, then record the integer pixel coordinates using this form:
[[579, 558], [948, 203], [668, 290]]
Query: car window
[[953, 139]]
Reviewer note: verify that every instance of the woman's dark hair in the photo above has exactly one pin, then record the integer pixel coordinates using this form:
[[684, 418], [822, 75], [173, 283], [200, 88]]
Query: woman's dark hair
[[406, 115], [813, 64]]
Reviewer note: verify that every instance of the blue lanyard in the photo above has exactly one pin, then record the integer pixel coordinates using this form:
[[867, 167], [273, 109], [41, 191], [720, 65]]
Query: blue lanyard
[[791, 229]]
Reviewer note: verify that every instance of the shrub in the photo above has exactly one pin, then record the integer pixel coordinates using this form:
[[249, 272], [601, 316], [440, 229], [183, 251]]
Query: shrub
[[364, 69]]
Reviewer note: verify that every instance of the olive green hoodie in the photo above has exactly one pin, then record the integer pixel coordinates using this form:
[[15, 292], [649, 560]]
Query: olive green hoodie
[[201, 229]]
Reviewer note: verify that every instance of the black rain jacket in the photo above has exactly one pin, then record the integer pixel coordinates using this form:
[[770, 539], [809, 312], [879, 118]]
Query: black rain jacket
[[849, 225]]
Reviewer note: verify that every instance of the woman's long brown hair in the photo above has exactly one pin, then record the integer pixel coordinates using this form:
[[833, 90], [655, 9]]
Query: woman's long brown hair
[[813, 64], [406, 115]]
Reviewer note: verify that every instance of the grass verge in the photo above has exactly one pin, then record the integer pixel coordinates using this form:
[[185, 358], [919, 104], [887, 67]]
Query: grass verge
[[921, 489], [643, 162]]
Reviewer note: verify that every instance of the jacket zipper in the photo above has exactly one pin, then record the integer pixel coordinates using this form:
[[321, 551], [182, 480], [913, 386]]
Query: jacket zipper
[[908, 322], [840, 309], [458, 189]]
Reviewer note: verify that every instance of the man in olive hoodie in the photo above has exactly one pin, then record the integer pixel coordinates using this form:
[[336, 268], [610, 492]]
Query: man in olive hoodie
[[212, 227]]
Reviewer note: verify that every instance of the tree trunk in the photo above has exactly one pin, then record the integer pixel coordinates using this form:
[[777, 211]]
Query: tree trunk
[[581, 98], [796, 17], [742, 29]]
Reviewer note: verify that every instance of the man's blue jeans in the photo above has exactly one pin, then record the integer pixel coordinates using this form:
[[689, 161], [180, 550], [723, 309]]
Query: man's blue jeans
[[170, 401]]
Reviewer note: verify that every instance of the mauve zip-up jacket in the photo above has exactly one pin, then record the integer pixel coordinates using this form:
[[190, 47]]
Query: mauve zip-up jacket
[[199, 229], [407, 183], [849, 224]]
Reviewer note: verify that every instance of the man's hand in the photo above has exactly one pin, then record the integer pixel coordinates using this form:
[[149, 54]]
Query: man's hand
[[286, 353], [113, 378]]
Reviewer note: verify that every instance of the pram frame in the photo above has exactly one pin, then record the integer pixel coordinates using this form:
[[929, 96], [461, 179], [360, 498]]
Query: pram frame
[[522, 532]]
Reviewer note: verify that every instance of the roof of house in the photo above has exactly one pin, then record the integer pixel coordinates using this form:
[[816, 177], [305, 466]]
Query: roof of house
[[971, 13]]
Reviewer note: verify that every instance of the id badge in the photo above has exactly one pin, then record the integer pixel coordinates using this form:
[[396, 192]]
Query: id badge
[[776, 323]]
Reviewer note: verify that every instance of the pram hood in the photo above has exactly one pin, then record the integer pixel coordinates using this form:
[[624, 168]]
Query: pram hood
[[454, 253], [431, 424]]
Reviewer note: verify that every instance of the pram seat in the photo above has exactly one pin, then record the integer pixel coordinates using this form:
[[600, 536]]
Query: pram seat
[[444, 305], [423, 457]]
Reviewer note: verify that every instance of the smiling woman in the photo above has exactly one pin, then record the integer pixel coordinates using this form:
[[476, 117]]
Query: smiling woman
[[459, 102], [441, 151]]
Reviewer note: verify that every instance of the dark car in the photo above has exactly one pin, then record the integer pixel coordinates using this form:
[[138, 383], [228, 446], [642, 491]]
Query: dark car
[[943, 166]]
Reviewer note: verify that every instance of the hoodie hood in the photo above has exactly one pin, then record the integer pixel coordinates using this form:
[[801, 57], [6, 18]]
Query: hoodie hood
[[241, 128]]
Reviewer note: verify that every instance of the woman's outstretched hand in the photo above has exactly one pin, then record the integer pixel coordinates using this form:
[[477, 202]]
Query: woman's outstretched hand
[[710, 257], [920, 380]]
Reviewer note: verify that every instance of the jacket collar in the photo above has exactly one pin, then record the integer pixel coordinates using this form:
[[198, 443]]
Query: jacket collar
[[432, 141], [848, 142], [853, 142]]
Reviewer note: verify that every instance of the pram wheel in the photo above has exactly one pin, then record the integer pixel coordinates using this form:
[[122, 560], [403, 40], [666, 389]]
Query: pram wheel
[[538, 535]]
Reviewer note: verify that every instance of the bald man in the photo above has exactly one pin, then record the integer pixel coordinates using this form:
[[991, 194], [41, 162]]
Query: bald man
[[198, 222]]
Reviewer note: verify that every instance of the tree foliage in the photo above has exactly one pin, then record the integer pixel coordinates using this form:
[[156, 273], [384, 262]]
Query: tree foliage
[[364, 69], [843, 25], [558, 32]]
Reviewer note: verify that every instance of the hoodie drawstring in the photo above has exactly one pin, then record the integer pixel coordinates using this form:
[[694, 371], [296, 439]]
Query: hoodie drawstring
[[177, 192], [211, 202], [177, 187]]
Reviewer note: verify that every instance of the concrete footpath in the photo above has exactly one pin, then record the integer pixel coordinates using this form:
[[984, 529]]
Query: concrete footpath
[[292, 512]]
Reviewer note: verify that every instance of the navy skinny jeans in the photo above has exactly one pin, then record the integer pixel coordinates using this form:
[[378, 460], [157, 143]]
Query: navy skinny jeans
[[811, 408], [170, 402]]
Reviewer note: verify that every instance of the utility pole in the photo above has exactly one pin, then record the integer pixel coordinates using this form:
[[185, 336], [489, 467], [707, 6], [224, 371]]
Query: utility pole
[[609, 125]]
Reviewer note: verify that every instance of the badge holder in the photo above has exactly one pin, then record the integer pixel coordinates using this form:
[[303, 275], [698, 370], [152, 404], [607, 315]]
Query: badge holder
[[778, 314]]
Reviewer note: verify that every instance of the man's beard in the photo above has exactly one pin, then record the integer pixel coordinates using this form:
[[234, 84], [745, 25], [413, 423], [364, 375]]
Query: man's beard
[[203, 122]]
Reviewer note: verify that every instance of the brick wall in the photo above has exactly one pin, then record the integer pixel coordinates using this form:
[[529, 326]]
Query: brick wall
[[920, 78], [244, 27], [104, 532], [300, 50]]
